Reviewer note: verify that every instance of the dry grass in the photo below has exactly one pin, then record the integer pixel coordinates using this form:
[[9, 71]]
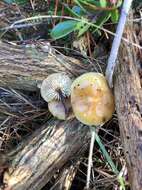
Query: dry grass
[[20, 114]]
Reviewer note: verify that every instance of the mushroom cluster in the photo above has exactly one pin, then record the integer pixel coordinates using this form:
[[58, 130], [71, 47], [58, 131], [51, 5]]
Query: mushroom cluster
[[91, 99], [55, 90]]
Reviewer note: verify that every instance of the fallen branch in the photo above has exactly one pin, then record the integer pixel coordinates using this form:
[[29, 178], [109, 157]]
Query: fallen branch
[[66, 177], [128, 96], [23, 67], [44, 153]]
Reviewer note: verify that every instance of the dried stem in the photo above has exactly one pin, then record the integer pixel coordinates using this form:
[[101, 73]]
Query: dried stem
[[90, 163], [116, 42]]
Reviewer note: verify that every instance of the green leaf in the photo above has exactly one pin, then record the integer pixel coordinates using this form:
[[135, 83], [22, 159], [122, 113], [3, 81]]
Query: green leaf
[[82, 28], [19, 2], [94, 2], [88, 6], [78, 10], [63, 28], [105, 153], [114, 15], [122, 182], [78, 2], [119, 3], [103, 3], [8, 1], [102, 19], [71, 11]]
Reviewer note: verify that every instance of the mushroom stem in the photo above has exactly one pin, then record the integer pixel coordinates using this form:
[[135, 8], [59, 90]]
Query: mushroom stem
[[63, 102], [90, 162]]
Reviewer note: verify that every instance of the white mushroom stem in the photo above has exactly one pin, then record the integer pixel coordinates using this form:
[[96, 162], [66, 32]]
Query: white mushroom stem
[[116, 42]]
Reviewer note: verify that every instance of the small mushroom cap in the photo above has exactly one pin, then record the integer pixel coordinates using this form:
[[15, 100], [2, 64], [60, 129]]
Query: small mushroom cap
[[92, 100], [54, 83], [57, 109]]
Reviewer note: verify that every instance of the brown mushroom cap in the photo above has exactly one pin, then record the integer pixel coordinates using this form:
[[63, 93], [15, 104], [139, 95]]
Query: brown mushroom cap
[[92, 100]]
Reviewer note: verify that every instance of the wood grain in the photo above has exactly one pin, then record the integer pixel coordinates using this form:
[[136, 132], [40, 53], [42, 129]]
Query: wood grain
[[44, 153], [128, 97], [24, 67]]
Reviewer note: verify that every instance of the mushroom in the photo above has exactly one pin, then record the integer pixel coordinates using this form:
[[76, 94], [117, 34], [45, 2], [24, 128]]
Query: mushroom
[[92, 100], [93, 104], [54, 90], [58, 110], [55, 86]]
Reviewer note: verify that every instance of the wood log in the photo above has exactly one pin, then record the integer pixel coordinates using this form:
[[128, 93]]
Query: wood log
[[66, 177], [23, 67], [44, 153], [128, 97]]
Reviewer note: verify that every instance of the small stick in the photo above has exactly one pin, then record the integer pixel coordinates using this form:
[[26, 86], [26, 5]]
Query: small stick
[[95, 136], [90, 163], [116, 42]]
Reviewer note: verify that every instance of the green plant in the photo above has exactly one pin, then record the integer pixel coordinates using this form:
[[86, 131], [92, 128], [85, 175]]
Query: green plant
[[88, 14]]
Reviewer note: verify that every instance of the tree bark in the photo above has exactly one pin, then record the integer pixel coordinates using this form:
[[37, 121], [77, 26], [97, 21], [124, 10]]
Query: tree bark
[[66, 177], [128, 97], [44, 153], [23, 67]]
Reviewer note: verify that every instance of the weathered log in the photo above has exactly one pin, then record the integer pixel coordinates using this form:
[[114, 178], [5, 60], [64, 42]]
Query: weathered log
[[44, 153], [23, 67], [66, 177], [128, 97]]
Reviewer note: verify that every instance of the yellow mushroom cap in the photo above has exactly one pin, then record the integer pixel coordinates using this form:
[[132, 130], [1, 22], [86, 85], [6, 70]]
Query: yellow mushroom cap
[[92, 100]]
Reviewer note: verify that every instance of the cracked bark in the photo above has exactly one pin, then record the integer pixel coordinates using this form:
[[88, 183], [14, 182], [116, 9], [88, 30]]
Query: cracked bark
[[128, 97], [23, 67], [44, 153]]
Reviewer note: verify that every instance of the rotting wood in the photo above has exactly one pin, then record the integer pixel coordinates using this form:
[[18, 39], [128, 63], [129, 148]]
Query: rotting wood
[[23, 67], [128, 97], [66, 177], [44, 153]]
